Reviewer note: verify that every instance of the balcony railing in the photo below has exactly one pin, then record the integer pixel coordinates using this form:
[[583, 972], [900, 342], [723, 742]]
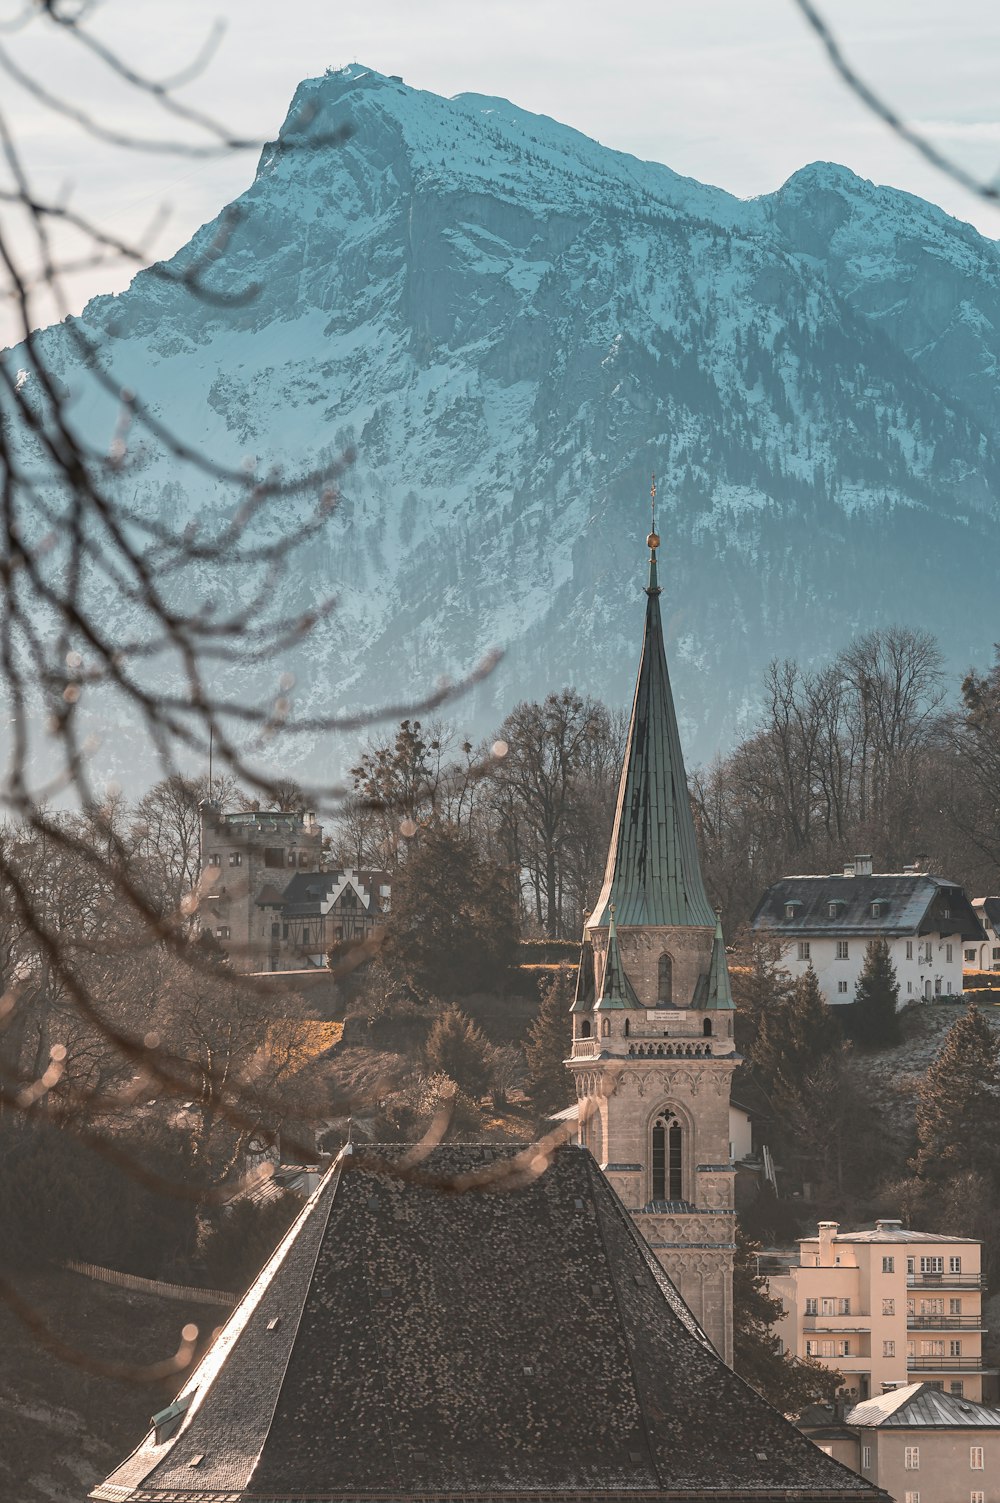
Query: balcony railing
[[586, 1048], [945, 1323], [944, 1365], [834, 1323], [944, 1281]]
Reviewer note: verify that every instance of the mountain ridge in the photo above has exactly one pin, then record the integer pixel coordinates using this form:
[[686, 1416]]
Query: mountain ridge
[[514, 326]]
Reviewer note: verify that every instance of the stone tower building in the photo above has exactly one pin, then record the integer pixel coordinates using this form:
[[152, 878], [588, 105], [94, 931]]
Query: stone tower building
[[653, 1052]]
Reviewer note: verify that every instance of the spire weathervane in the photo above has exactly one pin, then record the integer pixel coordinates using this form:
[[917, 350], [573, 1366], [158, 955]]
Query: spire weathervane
[[653, 541]]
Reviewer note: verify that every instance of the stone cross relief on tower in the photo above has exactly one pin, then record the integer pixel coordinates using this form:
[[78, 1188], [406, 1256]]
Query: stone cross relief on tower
[[653, 1052]]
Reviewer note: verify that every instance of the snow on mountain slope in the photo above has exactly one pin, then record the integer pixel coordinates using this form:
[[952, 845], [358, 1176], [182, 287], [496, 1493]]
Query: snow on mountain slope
[[515, 326]]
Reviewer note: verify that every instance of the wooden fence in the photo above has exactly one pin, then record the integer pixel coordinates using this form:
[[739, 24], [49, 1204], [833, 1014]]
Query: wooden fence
[[153, 1286]]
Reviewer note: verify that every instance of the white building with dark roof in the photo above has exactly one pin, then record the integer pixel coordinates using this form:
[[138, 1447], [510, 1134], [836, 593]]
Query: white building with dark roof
[[827, 921], [984, 954]]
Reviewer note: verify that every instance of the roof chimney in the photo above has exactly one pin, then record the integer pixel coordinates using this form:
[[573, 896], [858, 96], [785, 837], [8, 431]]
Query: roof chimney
[[827, 1232], [887, 1225], [848, 868], [862, 866]]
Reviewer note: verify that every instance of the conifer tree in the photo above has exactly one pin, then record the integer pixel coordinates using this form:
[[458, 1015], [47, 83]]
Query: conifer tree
[[760, 984], [958, 1112], [786, 1382], [457, 1048], [793, 1037], [549, 1042], [874, 1020], [453, 925]]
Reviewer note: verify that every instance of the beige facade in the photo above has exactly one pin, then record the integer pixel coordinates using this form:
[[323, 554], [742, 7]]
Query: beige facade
[[653, 1095], [886, 1307], [242, 856]]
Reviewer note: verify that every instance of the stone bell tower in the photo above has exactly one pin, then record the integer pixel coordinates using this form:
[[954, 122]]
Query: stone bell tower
[[653, 1052]]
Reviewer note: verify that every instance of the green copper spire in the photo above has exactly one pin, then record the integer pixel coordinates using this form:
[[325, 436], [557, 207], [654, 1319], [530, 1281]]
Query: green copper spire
[[616, 988], [720, 994], [653, 875]]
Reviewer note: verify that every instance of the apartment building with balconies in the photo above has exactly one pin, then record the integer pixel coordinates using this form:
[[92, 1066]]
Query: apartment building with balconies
[[885, 1307]]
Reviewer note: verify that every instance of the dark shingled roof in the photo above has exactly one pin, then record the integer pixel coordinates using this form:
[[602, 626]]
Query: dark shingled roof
[[653, 875], [911, 903], [412, 1342]]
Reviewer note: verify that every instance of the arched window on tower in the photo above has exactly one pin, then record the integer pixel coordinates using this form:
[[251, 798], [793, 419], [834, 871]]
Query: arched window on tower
[[665, 979], [605, 1028], [585, 1029], [666, 1158], [706, 1028], [626, 1027]]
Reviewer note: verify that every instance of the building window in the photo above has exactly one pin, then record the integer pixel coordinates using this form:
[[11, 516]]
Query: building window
[[665, 979], [912, 1498], [605, 1028], [845, 1350], [842, 986], [909, 949], [876, 910], [667, 1158], [811, 1348], [948, 953], [222, 932], [996, 953], [889, 1265], [970, 955], [888, 1349], [976, 1458], [828, 1305], [932, 1349], [235, 858], [833, 909], [812, 1307], [214, 859], [911, 1458], [804, 953], [274, 856], [955, 1265], [932, 1307], [910, 1265], [866, 1458], [956, 1388], [842, 949], [585, 1029], [303, 858], [954, 1307], [932, 1265], [948, 988], [977, 1497], [888, 1307], [275, 931], [843, 1307], [954, 1349]]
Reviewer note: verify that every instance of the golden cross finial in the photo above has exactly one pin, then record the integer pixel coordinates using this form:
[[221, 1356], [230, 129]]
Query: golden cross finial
[[653, 541]]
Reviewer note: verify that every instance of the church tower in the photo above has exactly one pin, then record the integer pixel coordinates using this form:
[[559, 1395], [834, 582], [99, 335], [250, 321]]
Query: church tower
[[653, 1053]]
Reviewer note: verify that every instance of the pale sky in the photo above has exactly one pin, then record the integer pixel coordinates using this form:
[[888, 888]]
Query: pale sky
[[732, 92]]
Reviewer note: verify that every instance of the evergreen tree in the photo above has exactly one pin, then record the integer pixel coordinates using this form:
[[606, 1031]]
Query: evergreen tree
[[457, 1048], [793, 1038], [549, 1042], [958, 1111], [873, 1019], [786, 1382], [760, 984], [453, 925]]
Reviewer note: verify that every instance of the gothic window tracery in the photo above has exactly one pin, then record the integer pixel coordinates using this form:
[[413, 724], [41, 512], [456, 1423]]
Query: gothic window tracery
[[665, 979], [667, 1157]]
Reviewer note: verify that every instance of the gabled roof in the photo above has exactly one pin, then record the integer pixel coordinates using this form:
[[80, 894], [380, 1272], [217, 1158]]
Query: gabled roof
[[922, 1406], [910, 903], [988, 908], [312, 893], [653, 875], [411, 1341]]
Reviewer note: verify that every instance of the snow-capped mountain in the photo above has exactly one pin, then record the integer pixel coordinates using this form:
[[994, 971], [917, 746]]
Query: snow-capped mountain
[[514, 326]]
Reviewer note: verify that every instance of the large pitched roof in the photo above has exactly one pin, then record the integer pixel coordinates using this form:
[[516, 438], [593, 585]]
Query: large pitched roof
[[910, 903], [409, 1341], [920, 1406], [653, 875]]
